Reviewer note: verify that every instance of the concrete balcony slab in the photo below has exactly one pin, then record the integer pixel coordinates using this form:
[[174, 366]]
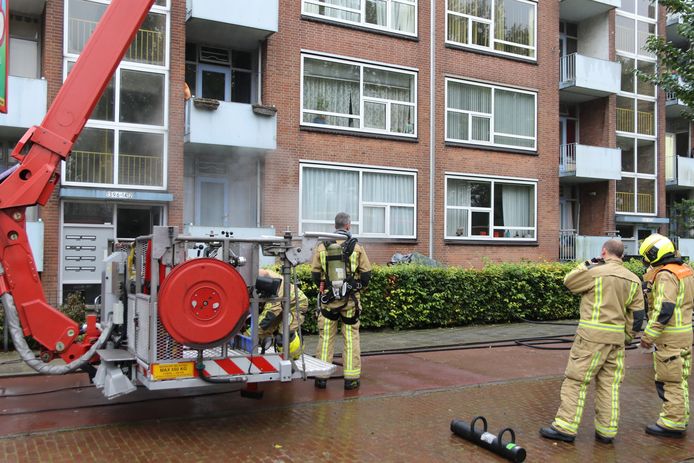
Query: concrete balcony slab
[[583, 78], [583, 163], [577, 10]]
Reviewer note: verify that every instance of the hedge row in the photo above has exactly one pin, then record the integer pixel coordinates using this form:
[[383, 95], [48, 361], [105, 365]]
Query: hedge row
[[413, 296]]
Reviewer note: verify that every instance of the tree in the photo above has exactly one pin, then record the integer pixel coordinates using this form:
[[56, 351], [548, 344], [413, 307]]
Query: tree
[[682, 216], [675, 73]]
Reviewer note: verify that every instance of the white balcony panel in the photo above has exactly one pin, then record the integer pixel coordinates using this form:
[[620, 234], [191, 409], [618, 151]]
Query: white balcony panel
[[35, 235], [583, 163], [582, 78], [26, 102], [684, 169], [578, 10], [672, 30], [216, 22], [686, 247], [231, 124]]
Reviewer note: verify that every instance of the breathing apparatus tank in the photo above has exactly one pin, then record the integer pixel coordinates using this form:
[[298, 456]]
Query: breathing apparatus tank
[[336, 270]]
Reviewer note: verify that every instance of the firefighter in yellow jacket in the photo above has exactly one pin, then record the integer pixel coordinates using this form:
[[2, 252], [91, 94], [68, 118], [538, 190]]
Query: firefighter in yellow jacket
[[611, 312], [341, 269], [270, 284], [669, 329]]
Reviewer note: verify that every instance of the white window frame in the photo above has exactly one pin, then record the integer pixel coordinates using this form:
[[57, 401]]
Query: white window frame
[[492, 180], [361, 170], [492, 39], [362, 98], [115, 125], [362, 14], [490, 116]]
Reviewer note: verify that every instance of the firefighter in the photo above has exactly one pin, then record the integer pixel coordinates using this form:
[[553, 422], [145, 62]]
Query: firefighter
[[611, 312], [340, 269], [669, 329], [269, 284]]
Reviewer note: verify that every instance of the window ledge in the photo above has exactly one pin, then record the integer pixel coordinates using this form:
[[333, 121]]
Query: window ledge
[[373, 30], [491, 242], [491, 148], [356, 133], [373, 240], [520, 59]]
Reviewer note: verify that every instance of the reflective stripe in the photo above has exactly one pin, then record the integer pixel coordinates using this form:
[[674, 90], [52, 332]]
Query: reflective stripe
[[601, 326], [658, 305], [322, 255], [354, 262], [326, 341], [349, 347], [677, 329], [678, 303], [632, 293], [584, 387], [618, 375], [607, 432], [565, 426], [598, 300], [686, 369], [676, 425]]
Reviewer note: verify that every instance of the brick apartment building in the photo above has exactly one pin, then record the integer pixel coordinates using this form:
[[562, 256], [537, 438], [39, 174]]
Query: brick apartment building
[[465, 130]]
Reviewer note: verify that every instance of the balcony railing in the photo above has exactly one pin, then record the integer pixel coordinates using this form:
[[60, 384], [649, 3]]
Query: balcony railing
[[644, 121], [96, 167], [148, 45], [644, 202], [567, 245], [567, 68], [567, 158]]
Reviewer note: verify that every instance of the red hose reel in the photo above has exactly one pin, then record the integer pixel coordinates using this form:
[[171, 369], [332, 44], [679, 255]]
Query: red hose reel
[[203, 302]]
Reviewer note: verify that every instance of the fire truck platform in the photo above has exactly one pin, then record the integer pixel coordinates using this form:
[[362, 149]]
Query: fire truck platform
[[402, 412]]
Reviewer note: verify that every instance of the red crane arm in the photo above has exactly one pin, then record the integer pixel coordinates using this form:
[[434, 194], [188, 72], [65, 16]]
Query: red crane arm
[[33, 180]]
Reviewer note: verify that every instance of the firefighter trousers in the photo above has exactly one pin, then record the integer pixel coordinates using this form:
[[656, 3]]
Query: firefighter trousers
[[672, 368], [587, 361], [327, 332]]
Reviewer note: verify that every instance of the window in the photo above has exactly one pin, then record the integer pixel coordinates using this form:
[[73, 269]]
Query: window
[[489, 115], [398, 16], [636, 190], [353, 96], [488, 209], [124, 142], [220, 74], [502, 26], [381, 203]]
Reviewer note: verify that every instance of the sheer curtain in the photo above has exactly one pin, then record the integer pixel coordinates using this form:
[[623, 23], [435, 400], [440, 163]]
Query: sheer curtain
[[518, 206], [377, 12], [514, 114], [331, 87], [325, 192], [389, 189], [335, 12], [515, 23], [473, 98], [388, 86], [403, 16], [459, 194]]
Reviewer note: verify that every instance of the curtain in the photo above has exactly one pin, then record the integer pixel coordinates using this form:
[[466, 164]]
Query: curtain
[[469, 98], [514, 114], [403, 16], [331, 87], [336, 12], [518, 205], [514, 22], [388, 188], [567, 215], [377, 12], [325, 192], [459, 194], [392, 86]]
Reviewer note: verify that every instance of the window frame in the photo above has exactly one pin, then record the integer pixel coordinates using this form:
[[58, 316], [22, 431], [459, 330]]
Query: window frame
[[361, 170], [492, 132], [492, 180], [492, 39], [362, 13], [362, 99], [115, 126]]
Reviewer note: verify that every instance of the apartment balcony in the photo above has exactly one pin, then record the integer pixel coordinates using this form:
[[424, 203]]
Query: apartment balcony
[[576, 11], [230, 125], [582, 163], [673, 34], [215, 23], [573, 246], [26, 105], [679, 172], [674, 107], [582, 78]]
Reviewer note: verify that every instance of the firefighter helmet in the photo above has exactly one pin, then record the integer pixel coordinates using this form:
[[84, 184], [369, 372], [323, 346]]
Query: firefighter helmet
[[655, 248]]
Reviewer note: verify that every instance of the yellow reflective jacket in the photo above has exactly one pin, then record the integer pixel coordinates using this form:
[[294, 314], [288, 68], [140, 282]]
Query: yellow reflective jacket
[[610, 294], [671, 302]]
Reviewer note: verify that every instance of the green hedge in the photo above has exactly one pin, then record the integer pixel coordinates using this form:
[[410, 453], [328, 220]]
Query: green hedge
[[414, 296]]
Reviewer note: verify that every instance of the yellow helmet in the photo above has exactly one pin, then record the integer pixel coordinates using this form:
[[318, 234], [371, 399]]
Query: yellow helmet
[[655, 248]]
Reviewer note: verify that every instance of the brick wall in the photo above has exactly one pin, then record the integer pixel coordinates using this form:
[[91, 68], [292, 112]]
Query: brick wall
[[283, 79]]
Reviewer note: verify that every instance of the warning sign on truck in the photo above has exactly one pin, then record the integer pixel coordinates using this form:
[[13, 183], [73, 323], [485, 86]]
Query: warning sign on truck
[[162, 371]]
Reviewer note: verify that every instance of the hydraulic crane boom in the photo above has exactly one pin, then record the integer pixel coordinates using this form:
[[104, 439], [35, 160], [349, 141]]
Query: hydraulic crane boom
[[32, 181]]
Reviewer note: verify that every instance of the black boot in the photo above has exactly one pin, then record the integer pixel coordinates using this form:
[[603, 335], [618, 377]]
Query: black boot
[[351, 384], [551, 433], [320, 383], [603, 439], [657, 430]]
